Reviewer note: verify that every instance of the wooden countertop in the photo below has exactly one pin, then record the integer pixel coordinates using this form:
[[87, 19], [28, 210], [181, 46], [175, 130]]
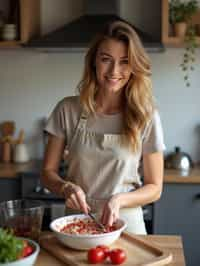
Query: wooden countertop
[[172, 244], [177, 176], [11, 170]]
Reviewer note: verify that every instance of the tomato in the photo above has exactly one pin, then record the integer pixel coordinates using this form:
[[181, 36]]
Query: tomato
[[117, 256], [95, 255], [105, 249], [28, 250]]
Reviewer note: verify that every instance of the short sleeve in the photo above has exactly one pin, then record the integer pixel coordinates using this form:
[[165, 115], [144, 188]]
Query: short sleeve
[[56, 122], [153, 139]]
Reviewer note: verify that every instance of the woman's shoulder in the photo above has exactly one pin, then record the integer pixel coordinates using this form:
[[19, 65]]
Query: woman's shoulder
[[70, 103]]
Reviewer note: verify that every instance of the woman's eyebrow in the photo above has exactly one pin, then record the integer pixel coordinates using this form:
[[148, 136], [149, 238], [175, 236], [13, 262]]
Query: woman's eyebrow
[[105, 54]]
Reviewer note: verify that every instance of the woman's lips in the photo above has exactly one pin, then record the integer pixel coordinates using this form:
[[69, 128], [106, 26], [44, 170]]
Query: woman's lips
[[113, 81]]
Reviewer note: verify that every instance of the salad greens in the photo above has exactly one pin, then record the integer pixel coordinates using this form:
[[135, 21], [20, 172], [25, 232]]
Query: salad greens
[[10, 246]]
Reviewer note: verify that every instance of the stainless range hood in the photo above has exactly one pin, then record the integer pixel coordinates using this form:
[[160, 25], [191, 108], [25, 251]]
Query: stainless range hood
[[76, 35]]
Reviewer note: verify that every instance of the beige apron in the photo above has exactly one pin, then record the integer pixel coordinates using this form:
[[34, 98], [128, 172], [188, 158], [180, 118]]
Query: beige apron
[[102, 167]]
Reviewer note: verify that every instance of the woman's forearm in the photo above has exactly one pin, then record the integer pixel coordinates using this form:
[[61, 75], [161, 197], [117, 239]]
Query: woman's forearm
[[52, 181], [139, 197]]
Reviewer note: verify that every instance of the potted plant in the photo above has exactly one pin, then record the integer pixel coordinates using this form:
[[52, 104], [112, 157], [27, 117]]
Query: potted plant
[[180, 14]]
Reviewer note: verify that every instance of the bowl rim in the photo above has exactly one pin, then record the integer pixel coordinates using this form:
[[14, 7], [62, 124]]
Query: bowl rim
[[124, 225], [38, 204], [36, 251]]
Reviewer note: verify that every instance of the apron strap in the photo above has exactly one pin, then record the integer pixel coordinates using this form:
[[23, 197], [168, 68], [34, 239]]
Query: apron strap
[[81, 124], [82, 121]]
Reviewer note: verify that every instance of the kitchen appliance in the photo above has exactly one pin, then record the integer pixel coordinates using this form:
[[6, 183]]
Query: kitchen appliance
[[178, 160], [76, 35]]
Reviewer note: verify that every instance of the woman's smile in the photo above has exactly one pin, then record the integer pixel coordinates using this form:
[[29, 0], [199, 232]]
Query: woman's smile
[[113, 81]]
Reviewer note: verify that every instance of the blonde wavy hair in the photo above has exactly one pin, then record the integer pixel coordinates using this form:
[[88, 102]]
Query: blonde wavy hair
[[138, 99]]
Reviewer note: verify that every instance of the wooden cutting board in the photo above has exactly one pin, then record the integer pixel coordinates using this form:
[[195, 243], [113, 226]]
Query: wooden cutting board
[[139, 252]]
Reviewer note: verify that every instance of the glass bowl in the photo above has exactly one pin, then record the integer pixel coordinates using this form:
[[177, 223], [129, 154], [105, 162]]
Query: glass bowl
[[23, 217]]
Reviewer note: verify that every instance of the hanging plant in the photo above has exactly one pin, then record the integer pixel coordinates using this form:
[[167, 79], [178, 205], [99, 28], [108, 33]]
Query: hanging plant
[[180, 16], [191, 44]]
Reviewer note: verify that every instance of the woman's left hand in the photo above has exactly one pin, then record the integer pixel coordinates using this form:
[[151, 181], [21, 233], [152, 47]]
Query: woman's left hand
[[111, 211]]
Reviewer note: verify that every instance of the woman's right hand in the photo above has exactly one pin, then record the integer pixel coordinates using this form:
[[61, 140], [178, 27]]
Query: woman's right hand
[[75, 197]]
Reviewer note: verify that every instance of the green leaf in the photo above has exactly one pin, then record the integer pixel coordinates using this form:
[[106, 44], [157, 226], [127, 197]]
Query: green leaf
[[188, 84], [10, 246]]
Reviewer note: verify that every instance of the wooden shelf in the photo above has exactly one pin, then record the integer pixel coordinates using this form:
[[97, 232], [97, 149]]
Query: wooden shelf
[[172, 41], [29, 23]]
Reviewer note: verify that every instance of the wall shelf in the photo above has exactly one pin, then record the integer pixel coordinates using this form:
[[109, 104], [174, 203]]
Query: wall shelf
[[29, 23], [167, 39]]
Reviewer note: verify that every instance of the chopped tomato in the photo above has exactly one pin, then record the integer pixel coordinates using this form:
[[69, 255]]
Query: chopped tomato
[[27, 249]]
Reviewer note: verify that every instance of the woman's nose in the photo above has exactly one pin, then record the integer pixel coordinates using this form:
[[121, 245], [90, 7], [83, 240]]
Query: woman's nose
[[114, 68]]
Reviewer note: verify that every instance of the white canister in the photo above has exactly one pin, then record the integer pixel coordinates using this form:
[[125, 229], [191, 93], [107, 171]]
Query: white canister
[[9, 32], [21, 153]]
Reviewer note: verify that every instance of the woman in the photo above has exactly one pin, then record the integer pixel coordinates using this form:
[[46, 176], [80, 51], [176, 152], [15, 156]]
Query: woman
[[107, 131]]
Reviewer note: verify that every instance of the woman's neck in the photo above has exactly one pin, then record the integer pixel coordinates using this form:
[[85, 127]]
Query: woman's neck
[[109, 103]]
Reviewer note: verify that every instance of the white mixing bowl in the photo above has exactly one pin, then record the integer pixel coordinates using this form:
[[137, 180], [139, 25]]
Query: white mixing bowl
[[84, 242]]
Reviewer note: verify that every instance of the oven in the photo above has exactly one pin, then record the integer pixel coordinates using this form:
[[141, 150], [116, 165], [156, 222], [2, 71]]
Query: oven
[[54, 206]]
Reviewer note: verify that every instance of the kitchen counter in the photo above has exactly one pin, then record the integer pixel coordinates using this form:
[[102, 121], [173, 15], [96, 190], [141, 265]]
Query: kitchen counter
[[11, 170], [172, 244], [177, 176]]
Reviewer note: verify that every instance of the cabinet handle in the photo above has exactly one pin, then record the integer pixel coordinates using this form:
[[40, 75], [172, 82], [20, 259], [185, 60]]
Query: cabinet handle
[[197, 196]]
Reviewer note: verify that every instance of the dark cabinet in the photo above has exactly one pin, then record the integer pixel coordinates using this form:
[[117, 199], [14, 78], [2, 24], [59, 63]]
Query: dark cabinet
[[10, 189], [178, 213]]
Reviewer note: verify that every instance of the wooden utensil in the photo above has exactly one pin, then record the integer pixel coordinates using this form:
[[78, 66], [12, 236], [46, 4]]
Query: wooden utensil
[[8, 128], [20, 138]]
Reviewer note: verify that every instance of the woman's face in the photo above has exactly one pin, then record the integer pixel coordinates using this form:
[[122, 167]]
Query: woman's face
[[112, 68]]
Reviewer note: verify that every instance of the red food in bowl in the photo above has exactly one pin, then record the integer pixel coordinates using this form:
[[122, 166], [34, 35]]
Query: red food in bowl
[[85, 226]]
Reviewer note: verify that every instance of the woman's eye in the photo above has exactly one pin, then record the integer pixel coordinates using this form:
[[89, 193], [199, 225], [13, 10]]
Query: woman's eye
[[124, 62], [105, 59]]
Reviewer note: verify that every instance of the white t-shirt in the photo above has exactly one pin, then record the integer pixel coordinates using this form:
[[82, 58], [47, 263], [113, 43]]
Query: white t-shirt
[[65, 116]]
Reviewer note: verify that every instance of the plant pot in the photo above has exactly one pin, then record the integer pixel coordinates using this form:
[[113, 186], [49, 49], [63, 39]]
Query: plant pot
[[180, 29]]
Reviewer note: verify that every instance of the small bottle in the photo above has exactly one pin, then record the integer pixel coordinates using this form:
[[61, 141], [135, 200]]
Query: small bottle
[[9, 32]]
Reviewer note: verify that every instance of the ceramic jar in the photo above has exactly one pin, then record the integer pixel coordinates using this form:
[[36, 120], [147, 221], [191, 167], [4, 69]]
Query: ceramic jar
[[21, 153], [9, 32]]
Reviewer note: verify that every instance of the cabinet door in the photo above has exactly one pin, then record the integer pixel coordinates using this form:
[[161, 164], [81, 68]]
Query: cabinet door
[[10, 189], [178, 213]]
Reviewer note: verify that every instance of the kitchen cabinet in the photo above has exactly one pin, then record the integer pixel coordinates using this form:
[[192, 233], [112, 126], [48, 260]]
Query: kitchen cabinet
[[10, 189], [29, 23], [167, 39], [178, 212]]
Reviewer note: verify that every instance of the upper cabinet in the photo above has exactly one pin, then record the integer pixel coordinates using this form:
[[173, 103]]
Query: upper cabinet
[[168, 37], [25, 15]]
